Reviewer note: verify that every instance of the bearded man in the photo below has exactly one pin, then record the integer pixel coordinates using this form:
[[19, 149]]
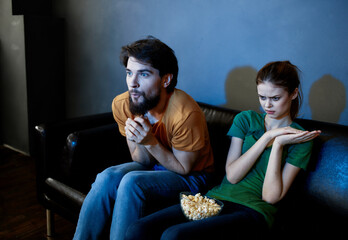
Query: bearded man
[[168, 139]]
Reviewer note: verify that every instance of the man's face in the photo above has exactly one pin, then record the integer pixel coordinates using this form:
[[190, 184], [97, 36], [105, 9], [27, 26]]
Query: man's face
[[144, 86]]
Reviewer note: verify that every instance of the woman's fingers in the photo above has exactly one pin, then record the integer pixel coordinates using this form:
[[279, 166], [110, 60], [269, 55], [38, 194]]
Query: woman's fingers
[[307, 136]]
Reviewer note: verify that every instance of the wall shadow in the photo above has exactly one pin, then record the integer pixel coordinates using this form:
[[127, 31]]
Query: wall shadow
[[240, 89], [327, 99]]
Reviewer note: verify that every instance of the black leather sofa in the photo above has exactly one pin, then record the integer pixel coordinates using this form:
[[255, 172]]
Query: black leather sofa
[[72, 152]]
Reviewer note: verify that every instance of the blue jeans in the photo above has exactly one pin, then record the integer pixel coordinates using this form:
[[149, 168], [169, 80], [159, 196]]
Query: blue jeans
[[124, 193]]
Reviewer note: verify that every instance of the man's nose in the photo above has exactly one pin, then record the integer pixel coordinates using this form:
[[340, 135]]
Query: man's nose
[[133, 81]]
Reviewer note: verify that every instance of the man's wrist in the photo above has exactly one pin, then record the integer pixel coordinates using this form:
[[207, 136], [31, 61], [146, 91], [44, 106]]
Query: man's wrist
[[151, 144]]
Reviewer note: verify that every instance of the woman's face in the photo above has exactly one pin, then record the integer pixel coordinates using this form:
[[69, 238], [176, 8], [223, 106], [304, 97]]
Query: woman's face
[[275, 100]]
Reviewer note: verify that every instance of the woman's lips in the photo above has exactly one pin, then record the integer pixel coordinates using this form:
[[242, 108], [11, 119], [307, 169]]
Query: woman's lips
[[269, 112]]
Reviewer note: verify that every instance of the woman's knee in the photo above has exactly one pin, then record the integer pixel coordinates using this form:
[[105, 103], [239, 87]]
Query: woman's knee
[[174, 233]]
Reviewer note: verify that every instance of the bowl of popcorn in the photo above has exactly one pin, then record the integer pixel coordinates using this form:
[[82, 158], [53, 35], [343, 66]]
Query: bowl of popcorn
[[197, 207]]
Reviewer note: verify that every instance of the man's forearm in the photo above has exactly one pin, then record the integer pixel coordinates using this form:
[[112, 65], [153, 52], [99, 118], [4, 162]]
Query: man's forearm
[[165, 157], [146, 149], [177, 161], [140, 154]]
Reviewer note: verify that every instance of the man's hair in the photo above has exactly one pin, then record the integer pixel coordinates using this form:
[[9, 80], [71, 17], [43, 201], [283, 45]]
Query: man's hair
[[156, 53]]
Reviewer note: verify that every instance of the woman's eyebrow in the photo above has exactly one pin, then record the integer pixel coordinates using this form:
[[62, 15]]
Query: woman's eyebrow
[[270, 96]]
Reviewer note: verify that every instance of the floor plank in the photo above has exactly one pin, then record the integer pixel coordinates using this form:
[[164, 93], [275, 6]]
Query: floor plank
[[21, 216]]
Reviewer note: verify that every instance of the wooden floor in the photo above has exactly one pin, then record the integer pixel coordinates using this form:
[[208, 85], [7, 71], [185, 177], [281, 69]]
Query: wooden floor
[[21, 216]]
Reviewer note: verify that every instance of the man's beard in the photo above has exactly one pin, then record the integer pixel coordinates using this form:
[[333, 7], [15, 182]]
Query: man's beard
[[143, 107]]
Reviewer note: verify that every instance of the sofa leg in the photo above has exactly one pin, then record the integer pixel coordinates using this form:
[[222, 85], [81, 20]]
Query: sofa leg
[[50, 223]]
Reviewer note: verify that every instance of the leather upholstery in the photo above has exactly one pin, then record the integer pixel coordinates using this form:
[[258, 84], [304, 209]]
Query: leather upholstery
[[73, 152]]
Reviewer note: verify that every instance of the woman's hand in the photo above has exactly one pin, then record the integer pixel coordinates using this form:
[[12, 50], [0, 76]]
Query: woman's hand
[[282, 131], [298, 136]]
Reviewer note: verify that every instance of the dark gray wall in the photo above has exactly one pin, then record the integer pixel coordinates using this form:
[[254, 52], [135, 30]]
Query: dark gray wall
[[220, 46], [13, 97]]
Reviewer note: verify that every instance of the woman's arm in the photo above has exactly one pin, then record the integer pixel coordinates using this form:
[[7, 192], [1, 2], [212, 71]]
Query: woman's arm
[[238, 165], [277, 180]]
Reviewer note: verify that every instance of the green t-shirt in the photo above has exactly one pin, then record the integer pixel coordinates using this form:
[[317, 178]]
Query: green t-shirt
[[249, 126]]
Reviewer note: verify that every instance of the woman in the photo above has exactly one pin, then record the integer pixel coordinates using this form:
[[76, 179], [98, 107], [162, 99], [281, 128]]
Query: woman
[[267, 152]]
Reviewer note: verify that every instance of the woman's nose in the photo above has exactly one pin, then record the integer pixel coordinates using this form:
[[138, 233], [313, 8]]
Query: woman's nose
[[268, 103]]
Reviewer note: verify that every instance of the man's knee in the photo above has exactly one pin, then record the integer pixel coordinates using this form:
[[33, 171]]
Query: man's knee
[[107, 179], [132, 181]]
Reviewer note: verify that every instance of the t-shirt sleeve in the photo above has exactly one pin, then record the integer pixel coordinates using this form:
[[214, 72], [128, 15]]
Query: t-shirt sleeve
[[190, 134], [240, 125], [300, 154], [119, 115]]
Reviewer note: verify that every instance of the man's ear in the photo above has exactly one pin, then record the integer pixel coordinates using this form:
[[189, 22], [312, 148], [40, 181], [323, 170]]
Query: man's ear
[[167, 80]]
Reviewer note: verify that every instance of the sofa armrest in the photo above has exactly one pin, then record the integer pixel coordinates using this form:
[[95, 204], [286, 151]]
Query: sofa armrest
[[52, 136], [90, 151], [52, 142], [71, 193]]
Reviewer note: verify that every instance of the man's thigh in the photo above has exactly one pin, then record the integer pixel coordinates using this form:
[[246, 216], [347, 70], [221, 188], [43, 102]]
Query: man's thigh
[[117, 172], [159, 189]]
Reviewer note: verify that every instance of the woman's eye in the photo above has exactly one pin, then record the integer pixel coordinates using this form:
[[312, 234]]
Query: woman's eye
[[262, 98], [276, 98]]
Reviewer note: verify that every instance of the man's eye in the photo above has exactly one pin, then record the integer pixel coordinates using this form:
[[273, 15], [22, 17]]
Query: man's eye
[[276, 98], [262, 98], [129, 73], [144, 74]]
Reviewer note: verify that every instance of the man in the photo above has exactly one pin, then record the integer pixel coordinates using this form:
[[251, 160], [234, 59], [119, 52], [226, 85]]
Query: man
[[168, 140]]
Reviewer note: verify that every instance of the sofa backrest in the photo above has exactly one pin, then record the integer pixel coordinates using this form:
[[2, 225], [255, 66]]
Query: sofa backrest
[[326, 179], [219, 121]]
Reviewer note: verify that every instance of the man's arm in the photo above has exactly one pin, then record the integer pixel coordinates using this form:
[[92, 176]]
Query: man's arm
[[140, 154], [177, 161], [144, 145]]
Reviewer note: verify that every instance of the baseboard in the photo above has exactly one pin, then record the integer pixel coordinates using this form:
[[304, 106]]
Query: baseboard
[[16, 150]]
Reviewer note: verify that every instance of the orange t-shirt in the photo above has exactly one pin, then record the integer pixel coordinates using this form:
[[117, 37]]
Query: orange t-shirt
[[182, 126]]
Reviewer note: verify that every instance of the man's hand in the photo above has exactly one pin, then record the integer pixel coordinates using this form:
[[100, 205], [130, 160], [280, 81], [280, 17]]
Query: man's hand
[[139, 130]]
